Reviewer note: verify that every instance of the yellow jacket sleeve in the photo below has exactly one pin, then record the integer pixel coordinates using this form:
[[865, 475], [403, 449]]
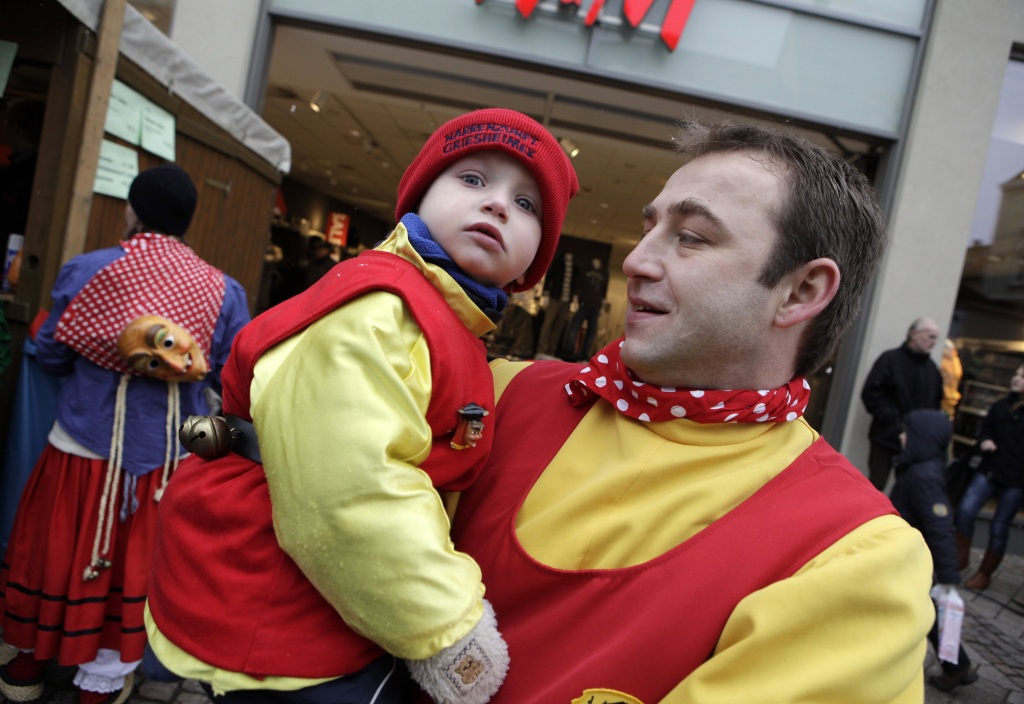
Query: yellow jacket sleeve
[[340, 413], [848, 627]]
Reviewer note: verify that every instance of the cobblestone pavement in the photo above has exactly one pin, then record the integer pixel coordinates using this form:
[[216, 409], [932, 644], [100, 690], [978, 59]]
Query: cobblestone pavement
[[61, 690], [993, 636]]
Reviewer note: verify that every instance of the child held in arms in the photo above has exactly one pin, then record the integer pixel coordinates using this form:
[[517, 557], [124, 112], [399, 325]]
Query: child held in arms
[[320, 538]]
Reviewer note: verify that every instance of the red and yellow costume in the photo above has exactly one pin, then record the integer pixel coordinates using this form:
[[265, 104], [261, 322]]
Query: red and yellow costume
[[685, 562], [338, 544]]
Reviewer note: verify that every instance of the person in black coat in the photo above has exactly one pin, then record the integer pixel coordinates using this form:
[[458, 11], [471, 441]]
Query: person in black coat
[[320, 261], [1001, 473], [901, 380], [920, 496]]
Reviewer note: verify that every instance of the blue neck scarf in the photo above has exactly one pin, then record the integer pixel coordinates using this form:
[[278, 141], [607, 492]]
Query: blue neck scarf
[[490, 299]]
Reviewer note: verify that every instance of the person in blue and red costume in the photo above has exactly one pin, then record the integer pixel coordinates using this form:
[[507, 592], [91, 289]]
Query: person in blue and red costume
[[140, 331], [303, 564], [711, 547]]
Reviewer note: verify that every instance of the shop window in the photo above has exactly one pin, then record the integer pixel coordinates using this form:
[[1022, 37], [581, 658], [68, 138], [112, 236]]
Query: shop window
[[988, 323], [992, 284]]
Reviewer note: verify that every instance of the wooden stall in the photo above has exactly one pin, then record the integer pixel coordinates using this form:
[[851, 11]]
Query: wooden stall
[[236, 160]]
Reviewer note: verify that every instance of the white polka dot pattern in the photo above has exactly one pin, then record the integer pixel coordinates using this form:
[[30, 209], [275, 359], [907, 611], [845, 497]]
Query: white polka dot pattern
[[667, 403], [157, 275]]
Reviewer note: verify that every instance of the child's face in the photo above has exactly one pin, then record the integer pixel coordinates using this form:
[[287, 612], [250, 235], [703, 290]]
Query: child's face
[[485, 211]]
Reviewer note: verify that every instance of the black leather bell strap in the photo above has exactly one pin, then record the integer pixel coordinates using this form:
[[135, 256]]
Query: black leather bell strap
[[243, 439]]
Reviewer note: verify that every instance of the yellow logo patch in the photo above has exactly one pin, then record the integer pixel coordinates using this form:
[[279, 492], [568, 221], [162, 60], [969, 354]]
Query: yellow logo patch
[[940, 510], [605, 696]]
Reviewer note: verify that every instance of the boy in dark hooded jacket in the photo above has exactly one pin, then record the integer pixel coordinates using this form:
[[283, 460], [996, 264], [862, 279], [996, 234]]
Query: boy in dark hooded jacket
[[920, 497]]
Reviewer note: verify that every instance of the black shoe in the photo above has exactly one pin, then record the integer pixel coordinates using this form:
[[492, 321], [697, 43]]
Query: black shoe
[[948, 681]]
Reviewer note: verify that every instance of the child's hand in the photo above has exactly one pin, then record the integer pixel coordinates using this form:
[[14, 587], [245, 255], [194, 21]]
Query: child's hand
[[468, 672]]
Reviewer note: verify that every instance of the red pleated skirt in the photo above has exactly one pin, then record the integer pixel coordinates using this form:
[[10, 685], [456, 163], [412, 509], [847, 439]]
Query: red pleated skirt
[[45, 602]]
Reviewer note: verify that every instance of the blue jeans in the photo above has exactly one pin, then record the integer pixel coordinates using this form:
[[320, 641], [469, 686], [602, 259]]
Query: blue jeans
[[383, 681], [978, 492]]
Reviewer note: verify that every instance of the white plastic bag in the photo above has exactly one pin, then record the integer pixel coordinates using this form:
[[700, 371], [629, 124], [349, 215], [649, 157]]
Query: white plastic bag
[[950, 615]]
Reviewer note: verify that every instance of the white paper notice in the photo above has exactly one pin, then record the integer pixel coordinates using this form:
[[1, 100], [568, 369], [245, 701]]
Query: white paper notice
[[8, 50], [124, 113], [117, 168], [158, 131]]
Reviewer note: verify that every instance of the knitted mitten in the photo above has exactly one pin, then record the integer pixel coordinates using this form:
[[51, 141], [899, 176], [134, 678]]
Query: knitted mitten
[[468, 672]]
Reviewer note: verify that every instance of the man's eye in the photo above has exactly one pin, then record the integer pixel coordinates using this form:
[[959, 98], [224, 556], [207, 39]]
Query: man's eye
[[153, 364], [168, 342]]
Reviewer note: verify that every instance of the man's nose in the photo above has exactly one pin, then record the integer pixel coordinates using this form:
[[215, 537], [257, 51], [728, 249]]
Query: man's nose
[[642, 261]]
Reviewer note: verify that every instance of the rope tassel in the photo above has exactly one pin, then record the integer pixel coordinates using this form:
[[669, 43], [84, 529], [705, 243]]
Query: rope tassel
[[170, 438], [105, 521]]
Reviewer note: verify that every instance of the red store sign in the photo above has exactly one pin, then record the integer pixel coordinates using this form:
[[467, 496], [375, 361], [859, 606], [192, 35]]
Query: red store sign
[[337, 229], [634, 10]]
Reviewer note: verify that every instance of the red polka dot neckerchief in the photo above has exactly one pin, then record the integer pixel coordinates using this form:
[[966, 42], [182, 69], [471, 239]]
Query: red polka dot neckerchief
[[606, 376], [158, 275]]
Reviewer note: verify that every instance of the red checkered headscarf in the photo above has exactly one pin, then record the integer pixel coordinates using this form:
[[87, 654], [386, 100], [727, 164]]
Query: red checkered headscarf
[[158, 275]]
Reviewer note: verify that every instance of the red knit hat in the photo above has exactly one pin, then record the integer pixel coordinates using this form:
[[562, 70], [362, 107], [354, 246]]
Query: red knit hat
[[511, 132]]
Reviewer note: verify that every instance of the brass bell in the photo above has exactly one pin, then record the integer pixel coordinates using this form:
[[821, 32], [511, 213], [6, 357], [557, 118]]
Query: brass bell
[[208, 437]]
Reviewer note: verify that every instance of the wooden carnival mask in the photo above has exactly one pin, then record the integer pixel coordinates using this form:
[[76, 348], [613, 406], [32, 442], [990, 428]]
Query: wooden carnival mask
[[156, 347]]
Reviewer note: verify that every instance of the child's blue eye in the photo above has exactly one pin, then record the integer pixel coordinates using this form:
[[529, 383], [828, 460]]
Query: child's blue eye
[[472, 179], [526, 204]]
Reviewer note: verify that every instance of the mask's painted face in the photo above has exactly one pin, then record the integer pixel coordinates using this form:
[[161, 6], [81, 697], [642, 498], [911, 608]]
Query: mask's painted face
[[156, 347]]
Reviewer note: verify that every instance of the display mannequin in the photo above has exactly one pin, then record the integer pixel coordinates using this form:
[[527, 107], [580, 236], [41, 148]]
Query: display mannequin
[[592, 289], [559, 288], [952, 372]]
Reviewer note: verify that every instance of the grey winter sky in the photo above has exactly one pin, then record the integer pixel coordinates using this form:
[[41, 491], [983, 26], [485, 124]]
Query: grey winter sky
[[1005, 155]]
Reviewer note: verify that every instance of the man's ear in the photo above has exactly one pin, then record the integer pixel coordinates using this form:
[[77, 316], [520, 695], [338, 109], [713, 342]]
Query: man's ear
[[808, 290]]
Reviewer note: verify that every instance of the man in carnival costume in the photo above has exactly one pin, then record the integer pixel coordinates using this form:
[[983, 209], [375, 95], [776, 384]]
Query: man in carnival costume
[[139, 331], [661, 524]]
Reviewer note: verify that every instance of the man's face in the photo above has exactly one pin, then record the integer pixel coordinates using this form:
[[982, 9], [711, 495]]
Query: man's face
[[131, 221], [696, 315], [156, 347], [485, 211], [924, 338], [1017, 381]]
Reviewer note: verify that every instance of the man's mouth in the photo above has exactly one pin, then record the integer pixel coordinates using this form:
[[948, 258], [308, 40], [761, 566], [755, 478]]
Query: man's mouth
[[639, 306]]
